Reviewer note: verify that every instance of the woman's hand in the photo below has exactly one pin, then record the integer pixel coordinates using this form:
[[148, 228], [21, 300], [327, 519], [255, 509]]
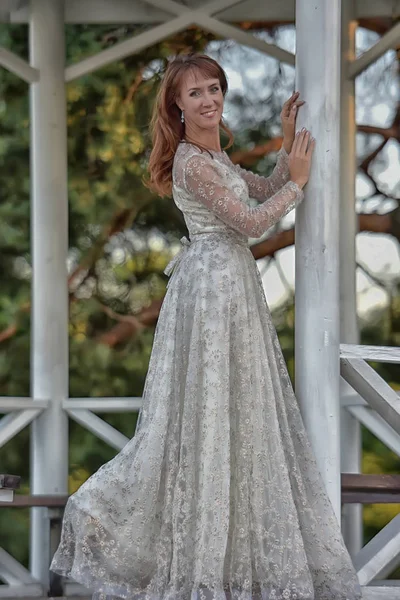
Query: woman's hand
[[300, 157], [288, 119]]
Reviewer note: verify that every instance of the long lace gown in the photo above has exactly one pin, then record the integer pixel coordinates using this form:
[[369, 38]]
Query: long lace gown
[[218, 494]]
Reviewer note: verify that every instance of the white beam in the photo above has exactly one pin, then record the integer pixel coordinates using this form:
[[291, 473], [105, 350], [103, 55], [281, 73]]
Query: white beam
[[389, 40], [136, 11], [128, 47], [185, 17], [203, 18], [381, 555], [49, 224], [370, 385], [243, 37], [12, 572], [317, 248], [18, 66], [100, 428], [32, 590], [387, 354], [13, 423], [10, 404], [378, 426], [104, 404], [381, 593]]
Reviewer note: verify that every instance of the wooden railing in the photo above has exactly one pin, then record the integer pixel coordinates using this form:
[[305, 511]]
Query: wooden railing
[[355, 488]]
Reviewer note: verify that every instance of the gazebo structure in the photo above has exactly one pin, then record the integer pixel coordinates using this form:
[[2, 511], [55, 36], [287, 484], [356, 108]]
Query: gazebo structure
[[336, 387]]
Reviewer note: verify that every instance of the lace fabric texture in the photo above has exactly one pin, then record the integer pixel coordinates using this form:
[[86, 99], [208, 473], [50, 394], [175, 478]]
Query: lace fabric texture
[[218, 495]]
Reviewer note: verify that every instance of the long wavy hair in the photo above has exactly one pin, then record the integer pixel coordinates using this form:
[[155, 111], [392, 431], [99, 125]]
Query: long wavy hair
[[166, 127]]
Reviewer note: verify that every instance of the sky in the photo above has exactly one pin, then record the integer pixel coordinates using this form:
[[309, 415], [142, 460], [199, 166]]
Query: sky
[[377, 91]]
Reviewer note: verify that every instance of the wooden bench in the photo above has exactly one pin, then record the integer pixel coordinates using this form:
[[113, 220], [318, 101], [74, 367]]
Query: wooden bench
[[8, 485]]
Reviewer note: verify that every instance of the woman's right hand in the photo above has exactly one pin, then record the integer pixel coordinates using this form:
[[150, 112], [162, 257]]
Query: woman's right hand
[[300, 157]]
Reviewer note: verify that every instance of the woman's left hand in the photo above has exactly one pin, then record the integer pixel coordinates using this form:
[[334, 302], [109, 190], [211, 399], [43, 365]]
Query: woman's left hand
[[288, 119]]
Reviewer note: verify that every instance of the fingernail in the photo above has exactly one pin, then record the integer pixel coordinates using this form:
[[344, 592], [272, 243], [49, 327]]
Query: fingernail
[[303, 129]]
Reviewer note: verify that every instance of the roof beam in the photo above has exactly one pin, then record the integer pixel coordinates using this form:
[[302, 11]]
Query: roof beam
[[184, 17], [133, 11], [134, 44], [390, 40], [18, 66]]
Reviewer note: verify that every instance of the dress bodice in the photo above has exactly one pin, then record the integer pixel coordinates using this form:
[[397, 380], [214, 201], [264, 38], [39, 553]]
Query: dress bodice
[[214, 194]]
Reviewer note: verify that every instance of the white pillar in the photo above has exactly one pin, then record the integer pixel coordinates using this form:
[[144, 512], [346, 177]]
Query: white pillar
[[49, 235], [350, 428], [317, 238]]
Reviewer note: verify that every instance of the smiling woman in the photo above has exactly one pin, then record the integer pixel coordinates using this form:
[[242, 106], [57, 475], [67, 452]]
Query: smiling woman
[[189, 107], [201, 101], [218, 495]]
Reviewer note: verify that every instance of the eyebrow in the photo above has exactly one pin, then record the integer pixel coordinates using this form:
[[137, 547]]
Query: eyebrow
[[211, 85]]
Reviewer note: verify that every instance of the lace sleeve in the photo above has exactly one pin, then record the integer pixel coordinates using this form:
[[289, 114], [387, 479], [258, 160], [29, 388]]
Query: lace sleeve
[[261, 188], [204, 182]]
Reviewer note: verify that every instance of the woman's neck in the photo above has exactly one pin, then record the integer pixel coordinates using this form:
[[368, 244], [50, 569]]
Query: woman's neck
[[211, 142]]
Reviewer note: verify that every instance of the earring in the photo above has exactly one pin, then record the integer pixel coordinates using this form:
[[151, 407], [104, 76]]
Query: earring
[[183, 116]]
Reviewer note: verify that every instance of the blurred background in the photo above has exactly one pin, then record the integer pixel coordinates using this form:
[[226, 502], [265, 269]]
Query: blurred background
[[121, 236]]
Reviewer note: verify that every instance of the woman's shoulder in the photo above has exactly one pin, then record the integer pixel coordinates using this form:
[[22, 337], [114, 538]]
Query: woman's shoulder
[[183, 154], [186, 150], [201, 157]]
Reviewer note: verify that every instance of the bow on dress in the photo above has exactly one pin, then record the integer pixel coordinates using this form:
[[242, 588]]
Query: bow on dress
[[171, 266]]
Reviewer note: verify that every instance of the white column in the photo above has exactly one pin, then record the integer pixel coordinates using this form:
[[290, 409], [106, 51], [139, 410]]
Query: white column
[[317, 238], [350, 428], [49, 234]]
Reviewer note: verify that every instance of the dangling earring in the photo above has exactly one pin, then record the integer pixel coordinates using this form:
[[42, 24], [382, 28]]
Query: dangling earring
[[183, 116]]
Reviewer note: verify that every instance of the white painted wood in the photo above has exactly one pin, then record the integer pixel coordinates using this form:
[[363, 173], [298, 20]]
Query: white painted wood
[[10, 404], [386, 582], [379, 395], [100, 428], [378, 426], [388, 354], [381, 555], [128, 47], [18, 66], [350, 430], [33, 590], [12, 572], [390, 40], [381, 593], [71, 588], [317, 238], [352, 398], [135, 11], [100, 405], [6, 496], [377, 8], [243, 37], [187, 17], [203, 18], [13, 423], [49, 222]]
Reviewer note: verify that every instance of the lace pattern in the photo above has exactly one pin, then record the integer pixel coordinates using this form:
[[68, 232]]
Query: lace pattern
[[218, 495]]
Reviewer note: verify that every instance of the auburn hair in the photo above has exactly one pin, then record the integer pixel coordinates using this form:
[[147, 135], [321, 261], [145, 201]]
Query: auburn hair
[[166, 127]]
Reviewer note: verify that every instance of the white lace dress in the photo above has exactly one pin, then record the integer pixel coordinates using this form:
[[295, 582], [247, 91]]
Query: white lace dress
[[218, 494]]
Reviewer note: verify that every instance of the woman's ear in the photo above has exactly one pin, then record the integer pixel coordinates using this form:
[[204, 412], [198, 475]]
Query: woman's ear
[[178, 103]]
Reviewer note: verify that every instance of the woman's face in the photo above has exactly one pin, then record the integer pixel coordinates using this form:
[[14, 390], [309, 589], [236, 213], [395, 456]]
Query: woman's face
[[201, 100]]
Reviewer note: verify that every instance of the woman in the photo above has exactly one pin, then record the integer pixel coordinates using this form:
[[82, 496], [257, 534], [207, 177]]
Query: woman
[[218, 494]]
